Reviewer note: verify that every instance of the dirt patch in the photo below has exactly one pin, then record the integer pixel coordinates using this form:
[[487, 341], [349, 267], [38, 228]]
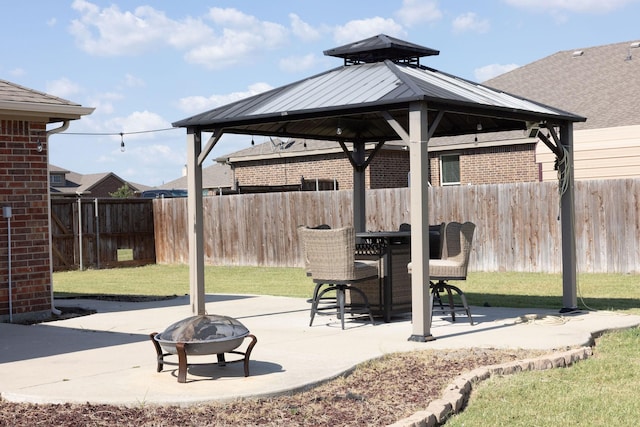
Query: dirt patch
[[379, 392]]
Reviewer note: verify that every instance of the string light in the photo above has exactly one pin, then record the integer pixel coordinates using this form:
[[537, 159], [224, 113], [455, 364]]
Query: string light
[[122, 134]]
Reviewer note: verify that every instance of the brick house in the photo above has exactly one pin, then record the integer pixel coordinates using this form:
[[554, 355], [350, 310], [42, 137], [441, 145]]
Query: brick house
[[65, 183], [489, 160], [278, 163], [25, 265]]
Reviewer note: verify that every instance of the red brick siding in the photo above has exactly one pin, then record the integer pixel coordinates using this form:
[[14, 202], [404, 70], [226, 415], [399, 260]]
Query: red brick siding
[[107, 186], [23, 187], [290, 170], [491, 165], [390, 169]]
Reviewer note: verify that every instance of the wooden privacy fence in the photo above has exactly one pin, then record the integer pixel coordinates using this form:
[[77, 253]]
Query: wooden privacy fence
[[107, 232], [518, 228]]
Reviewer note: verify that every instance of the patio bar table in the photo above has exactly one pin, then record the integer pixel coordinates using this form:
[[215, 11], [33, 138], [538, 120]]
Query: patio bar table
[[392, 249]]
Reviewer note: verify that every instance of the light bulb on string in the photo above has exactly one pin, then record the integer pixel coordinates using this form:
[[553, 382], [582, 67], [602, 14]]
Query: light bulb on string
[[122, 142]]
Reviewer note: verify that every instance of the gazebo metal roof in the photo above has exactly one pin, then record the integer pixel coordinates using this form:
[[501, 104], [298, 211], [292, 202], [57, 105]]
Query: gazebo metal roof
[[381, 93], [351, 97]]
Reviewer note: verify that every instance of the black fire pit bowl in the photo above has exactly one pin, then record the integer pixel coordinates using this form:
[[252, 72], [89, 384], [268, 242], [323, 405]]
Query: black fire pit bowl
[[202, 335]]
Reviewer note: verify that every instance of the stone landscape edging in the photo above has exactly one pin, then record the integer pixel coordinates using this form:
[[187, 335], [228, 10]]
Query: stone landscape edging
[[457, 393]]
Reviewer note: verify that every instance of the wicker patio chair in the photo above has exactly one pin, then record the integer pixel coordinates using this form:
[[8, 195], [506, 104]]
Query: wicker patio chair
[[452, 266], [331, 259], [327, 299]]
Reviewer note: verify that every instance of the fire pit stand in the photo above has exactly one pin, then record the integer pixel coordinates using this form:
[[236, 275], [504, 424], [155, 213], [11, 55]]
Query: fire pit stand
[[182, 351]]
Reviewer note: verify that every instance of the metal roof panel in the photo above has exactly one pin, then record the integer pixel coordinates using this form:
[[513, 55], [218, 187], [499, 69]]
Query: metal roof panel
[[344, 86]]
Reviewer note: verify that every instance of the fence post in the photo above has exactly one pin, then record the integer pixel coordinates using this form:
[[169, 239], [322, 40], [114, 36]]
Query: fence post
[[80, 251], [97, 225]]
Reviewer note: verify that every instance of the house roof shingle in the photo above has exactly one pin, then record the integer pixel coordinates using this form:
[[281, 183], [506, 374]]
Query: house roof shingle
[[599, 83], [19, 100], [218, 175]]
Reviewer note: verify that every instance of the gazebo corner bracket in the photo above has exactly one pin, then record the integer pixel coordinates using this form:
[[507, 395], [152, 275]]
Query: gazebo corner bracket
[[555, 149], [435, 123], [397, 127], [360, 166], [215, 137]]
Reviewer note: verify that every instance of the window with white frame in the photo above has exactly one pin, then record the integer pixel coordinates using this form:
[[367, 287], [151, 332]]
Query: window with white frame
[[450, 169], [57, 179]]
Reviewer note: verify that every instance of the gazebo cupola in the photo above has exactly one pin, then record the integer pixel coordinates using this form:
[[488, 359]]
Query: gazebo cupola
[[381, 48]]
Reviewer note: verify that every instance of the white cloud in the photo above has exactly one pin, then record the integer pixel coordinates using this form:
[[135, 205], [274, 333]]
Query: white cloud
[[197, 104], [294, 64], [415, 12], [587, 6], [363, 28], [231, 37], [63, 88], [51, 22], [470, 22], [242, 37], [232, 17], [490, 71], [133, 81], [112, 32], [302, 30]]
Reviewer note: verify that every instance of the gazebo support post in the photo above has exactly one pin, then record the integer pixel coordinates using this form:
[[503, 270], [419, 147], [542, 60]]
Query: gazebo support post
[[359, 189], [419, 193], [567, 215], [195, 228]]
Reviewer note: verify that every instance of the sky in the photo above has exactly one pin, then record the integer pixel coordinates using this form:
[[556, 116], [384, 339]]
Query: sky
[[146, 64]]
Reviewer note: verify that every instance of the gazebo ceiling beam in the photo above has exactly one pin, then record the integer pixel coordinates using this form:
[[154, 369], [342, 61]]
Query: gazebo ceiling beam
[[213, 140], [401, 131]]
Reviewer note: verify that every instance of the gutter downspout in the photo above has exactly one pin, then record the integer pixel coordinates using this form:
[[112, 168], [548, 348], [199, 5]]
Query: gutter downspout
[[62, 128]]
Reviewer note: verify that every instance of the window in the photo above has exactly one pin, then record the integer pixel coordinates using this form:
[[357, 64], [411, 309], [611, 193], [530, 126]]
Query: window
[[450, 169], [57, 179]]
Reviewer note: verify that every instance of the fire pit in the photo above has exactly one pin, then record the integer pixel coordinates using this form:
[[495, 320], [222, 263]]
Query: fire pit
[[202, 335]]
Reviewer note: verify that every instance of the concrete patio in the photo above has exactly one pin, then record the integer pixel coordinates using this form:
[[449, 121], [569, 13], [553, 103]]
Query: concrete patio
[[108, 357]]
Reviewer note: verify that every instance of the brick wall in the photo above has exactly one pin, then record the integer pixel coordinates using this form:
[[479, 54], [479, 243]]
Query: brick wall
[[23, 187], [107, 186], [290, 170], [390, 168], [491, 165]]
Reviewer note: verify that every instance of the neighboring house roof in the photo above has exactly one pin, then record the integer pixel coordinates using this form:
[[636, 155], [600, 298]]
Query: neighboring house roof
[[218, 175], [599, 83], [76, 183], [358, 101], [276, 147], [16, 100]]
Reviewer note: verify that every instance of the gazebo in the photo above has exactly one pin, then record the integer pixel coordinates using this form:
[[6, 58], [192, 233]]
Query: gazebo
[[381, 93]]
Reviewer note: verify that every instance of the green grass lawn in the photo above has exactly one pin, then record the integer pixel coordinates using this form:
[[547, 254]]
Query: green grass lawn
[[599, 391], [164, 280], [506, 289]]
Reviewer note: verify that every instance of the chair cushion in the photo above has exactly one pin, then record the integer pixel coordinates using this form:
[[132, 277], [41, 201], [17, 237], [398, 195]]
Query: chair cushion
[[443, 269]]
